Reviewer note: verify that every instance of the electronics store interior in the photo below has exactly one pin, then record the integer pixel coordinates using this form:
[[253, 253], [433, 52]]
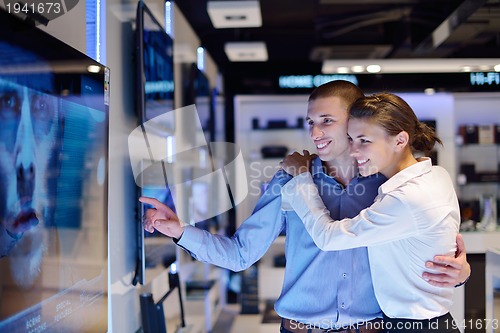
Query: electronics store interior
[[195, 107]]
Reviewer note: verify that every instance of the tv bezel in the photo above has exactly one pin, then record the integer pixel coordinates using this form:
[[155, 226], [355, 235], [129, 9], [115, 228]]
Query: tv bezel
[[192, 75], [142, 10]]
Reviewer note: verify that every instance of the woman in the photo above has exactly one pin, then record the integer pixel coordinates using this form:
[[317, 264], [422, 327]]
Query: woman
[[415, 214]]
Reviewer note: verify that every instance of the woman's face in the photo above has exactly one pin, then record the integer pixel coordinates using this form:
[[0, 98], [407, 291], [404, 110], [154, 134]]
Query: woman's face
[[372, 147]]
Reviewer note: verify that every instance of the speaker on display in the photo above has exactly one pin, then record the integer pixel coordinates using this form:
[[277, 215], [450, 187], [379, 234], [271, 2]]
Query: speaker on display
[[274, 151], [469, 133], [255, 123], [279, 123], [469, 170], [486, 134], [300, 122]]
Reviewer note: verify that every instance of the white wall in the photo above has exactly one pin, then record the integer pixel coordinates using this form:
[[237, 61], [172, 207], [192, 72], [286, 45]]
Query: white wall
[[124, 299], [124, 310], [438, 107]]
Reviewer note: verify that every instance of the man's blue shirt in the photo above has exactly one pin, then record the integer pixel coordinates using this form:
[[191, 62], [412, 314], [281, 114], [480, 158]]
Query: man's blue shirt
[[326, 289]]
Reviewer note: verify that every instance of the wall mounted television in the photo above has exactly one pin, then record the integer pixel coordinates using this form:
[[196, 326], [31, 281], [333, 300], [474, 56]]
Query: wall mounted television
[[155, 104], [197, 91], [53, 184]]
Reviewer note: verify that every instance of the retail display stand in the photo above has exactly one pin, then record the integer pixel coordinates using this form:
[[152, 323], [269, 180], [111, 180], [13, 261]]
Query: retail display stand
[[152, 313]]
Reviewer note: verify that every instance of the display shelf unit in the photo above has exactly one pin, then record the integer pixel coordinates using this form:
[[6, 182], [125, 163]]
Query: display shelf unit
[[203, 304], [477, 243], [275, 122], [492, 287], [478, 181], [271, 276], [267, 111], [478, 164]]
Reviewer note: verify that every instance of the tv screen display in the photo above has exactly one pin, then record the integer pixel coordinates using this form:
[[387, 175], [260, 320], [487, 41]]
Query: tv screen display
[[155, 104], [155, 67], [53, 184], [197, 91]]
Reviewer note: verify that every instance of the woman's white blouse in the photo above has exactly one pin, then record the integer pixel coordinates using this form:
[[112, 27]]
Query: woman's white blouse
[[414, 217]]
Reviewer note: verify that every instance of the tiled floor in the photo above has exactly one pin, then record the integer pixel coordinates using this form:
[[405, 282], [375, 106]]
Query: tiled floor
[[230, 321]]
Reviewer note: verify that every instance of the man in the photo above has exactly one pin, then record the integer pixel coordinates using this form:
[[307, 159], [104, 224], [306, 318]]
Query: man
[[321, 290]]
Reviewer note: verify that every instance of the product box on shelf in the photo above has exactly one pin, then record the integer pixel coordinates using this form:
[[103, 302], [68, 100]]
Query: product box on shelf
[[469, 133], [486, 134]]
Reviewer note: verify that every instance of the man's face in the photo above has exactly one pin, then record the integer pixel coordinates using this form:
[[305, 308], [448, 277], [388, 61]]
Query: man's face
[[327, 120], [27, 139]]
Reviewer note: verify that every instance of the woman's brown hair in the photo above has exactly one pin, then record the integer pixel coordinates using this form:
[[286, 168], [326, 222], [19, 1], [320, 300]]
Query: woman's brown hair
[[395, 115]]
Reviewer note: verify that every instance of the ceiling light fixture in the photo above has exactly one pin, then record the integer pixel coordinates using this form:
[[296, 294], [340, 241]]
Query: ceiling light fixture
[[441, 65], [373, 68], [234, 14], [93, 69], [496, 68], [246, 51], [429, 91], [358, 69], [342, 70]]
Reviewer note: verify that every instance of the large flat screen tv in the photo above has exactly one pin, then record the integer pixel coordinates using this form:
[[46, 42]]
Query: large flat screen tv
[[197, 91], [53, 184], [155, 110]]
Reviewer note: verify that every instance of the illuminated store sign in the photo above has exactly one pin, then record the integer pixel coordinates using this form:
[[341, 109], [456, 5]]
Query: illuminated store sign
[[485, 79], [312, 81], [159, 87]]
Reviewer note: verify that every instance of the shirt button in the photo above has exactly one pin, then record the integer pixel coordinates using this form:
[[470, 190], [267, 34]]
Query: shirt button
[[344, 275], [342, 306]]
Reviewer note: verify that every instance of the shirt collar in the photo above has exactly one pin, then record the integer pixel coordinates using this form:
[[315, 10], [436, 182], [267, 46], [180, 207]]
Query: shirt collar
[[422, 166], [317, 166]]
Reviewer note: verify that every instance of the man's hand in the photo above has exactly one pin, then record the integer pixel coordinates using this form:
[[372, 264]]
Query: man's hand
[[161, 218], [452, 271], [295, 164]]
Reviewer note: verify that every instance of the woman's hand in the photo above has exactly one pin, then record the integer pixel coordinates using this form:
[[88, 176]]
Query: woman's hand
[[161, 218], [295, 164]]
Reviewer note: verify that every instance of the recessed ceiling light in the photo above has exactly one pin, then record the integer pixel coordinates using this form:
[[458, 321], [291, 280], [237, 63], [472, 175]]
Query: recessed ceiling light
[[373, 68], [94, 69], [497, 68], [423, 65], [429, 91], [246, 51], [342, 70], [466, 69], [234, 14], [358, 69]]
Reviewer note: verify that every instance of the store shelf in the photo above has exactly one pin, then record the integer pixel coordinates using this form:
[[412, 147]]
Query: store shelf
[[478, 242], [204, 304]]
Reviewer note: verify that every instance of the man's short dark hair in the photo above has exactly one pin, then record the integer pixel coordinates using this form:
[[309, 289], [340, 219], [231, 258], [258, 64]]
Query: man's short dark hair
[[345, 90]]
